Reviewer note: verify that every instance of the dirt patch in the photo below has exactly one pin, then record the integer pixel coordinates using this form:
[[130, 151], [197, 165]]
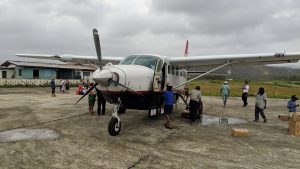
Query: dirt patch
[[27, 134]]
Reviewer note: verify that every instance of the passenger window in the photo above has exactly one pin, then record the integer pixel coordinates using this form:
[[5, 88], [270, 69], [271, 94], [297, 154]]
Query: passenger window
[[173, 70]]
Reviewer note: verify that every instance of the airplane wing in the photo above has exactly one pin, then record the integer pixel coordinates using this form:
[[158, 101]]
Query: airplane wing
[[74, 58], [240, 59]]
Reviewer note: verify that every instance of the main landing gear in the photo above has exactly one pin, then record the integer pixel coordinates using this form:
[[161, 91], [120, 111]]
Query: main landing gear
[[114, 125]]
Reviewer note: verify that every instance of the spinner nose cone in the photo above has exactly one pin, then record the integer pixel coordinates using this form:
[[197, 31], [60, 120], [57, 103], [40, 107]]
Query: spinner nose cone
[[102, 77]]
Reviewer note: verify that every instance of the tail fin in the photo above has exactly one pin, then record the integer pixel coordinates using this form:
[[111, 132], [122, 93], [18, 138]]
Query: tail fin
[[186, 51]]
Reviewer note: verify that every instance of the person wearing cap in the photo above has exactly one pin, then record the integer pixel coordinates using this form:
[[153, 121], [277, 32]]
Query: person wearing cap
[[224, 92], [291, 105]]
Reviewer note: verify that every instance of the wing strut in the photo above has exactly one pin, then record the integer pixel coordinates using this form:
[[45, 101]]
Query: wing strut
[[217, 68]]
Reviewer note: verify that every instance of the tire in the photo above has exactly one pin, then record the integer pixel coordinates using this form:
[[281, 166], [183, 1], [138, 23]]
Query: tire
[[121, 110], [113, 129]]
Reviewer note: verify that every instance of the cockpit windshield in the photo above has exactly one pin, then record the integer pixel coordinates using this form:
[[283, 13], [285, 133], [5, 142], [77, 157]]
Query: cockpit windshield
[[144, 60]]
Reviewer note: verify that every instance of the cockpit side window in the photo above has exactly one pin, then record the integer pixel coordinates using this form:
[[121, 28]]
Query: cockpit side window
[[148, 61], [128, 60], [143, 60]]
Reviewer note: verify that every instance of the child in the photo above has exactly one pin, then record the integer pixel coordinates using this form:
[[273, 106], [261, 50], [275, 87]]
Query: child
[[292, 104], [186, 93], [168, 107], [92, 99]]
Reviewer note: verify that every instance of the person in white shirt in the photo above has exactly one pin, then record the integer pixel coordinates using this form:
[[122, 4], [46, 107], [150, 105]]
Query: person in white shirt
[[245, 89], [195, 99]]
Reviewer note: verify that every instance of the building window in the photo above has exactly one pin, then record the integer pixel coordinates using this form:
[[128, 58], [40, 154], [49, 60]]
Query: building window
[[20, 72], [86, 73], [169, 69], [36, 73], [4, 74], [77, 75]]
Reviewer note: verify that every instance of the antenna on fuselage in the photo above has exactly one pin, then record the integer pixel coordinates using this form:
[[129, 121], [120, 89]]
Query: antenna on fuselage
[[97, 46]]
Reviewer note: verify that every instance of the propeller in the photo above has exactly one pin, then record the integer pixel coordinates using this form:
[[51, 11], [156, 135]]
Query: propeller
[[99, 55], [97, 46]]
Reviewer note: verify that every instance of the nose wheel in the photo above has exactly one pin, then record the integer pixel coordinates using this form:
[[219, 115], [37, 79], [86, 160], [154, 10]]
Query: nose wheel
[[114, 126]]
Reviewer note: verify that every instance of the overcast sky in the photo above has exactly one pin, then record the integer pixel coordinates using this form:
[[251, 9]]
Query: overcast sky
[[148, 26]]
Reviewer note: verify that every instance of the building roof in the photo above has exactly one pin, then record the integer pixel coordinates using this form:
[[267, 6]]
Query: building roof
[[5, 68], [78, 66]]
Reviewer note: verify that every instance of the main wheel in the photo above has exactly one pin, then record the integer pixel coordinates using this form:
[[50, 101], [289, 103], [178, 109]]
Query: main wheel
[[114, 127]]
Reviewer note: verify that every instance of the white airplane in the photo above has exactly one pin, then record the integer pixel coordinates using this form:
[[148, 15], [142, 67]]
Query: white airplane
[[139, 80]]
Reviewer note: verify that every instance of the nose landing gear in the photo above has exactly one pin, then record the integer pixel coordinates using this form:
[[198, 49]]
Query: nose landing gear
[[114, 125]]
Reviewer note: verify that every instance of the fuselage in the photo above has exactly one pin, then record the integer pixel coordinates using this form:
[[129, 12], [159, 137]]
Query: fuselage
[[141, 80]]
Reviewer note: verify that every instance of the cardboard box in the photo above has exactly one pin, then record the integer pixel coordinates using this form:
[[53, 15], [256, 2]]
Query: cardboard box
[[239, 132], [294, 128], [284, 117], [296, 116]]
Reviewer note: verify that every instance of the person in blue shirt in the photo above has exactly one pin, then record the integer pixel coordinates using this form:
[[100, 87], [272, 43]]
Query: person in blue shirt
[[292, 104], [168, 107]]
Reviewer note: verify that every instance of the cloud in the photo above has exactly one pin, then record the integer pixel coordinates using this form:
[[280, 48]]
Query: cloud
[[148, 26]]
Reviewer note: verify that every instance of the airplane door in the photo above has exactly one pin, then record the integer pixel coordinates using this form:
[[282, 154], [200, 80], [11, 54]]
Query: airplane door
[[157, 75]]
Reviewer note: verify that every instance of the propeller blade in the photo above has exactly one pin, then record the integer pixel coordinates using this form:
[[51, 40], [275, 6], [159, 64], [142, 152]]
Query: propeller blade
[[87, 92], [112, 81], [97, 46]]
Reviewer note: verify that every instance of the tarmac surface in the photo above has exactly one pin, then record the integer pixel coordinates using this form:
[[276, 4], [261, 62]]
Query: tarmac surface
[[29, 116]]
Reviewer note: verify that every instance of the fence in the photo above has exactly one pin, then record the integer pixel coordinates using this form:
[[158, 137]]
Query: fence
[[32, 82]]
